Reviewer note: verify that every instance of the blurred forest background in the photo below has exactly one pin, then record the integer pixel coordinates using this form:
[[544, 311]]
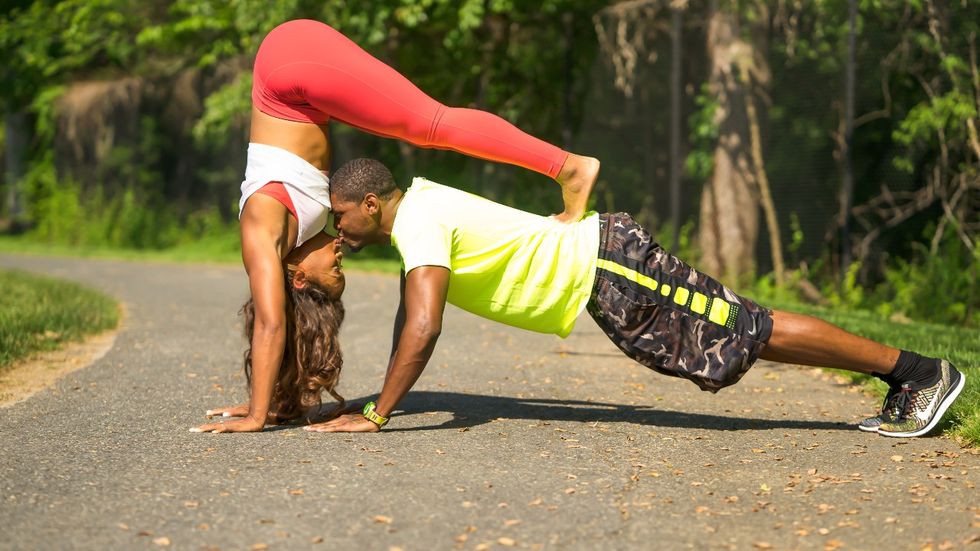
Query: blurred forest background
[[824, 149]]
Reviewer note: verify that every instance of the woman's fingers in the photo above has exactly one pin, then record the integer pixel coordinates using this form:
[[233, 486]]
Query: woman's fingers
[[240, 410], [237, 425], [345, 423]]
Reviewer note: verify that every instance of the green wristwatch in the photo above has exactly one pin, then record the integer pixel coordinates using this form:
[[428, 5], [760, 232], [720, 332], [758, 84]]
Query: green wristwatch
[[372, 416]]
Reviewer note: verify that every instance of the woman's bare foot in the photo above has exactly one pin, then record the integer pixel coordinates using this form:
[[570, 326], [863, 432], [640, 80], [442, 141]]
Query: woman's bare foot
[[577, 177]]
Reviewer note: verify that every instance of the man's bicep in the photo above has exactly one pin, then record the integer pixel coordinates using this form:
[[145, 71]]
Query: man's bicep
[[424, 297]]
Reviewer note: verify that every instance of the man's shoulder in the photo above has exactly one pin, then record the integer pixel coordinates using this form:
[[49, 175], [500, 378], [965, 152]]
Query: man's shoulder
[[422, 184]]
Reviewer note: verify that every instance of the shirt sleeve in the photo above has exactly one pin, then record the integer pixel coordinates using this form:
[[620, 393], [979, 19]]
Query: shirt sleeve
[[424, 242]]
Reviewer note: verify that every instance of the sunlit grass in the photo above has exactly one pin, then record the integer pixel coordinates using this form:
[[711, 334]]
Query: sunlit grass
[[39, 313]]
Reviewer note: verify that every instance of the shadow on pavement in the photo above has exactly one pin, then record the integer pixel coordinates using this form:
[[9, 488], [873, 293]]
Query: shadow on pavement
[[470, 410]]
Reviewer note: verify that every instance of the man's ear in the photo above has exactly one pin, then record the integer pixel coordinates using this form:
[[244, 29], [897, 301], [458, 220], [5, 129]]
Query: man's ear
[[371, 204], [299, 279]]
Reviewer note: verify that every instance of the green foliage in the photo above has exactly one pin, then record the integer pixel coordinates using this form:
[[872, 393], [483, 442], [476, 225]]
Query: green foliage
[[232, 102], [796, 235], [703, 135], [134, 218], [47, 42], [850, 293], [219, 29], [39, 313], [43, 107], [941, 287], [687, 243]]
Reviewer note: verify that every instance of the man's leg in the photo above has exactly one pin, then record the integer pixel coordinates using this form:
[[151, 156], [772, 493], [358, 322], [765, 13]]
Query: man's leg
[[922, 389], [806, 340]]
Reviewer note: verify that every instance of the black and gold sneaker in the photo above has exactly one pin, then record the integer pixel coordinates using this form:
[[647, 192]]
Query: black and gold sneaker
[[889, 410], [920, 410]]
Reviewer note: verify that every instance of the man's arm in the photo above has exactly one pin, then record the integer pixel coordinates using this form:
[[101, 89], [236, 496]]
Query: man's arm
[[424, 300], [399, 325]]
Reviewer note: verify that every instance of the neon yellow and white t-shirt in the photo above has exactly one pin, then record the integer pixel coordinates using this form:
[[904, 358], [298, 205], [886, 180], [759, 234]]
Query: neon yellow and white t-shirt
[[506, 265]]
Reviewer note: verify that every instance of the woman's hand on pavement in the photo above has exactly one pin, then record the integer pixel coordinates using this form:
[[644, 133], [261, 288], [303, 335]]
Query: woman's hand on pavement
[[241, 410], [353, 422], [245, 424]]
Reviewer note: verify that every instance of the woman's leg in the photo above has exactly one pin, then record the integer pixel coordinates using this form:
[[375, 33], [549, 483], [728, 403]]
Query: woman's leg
[[333, 74]]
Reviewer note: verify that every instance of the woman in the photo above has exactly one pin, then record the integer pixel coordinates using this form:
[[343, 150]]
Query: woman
[[311, 360], [306, 73]]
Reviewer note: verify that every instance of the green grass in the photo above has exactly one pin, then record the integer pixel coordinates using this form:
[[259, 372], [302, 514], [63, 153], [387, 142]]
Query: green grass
[[960, 345], [38, 313]]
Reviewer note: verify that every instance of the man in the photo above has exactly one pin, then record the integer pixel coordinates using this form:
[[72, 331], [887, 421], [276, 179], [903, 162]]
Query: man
[[538, 273]]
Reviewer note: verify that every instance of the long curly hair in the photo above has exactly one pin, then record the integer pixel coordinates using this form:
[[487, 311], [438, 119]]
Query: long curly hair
[[311, 360]]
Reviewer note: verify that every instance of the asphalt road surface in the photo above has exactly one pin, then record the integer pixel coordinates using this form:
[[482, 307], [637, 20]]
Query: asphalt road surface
[[510, 440]]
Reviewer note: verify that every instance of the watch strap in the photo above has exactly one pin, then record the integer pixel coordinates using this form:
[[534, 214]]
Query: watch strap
[[373, 416]]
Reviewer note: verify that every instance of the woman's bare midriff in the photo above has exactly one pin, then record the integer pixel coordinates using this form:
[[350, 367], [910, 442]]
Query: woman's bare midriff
[[307, 140]]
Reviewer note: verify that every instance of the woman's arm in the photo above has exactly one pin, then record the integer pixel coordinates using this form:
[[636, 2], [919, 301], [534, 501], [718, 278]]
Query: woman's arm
[[263, 246]]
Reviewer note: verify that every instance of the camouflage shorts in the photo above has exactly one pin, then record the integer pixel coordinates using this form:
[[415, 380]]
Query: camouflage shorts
[[668, 316]]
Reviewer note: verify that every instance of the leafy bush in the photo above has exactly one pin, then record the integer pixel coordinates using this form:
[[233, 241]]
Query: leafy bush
[[940, 287], [64, 213]]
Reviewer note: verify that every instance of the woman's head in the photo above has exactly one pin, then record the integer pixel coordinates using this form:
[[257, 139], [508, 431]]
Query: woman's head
[[317, 262], [311, 361]]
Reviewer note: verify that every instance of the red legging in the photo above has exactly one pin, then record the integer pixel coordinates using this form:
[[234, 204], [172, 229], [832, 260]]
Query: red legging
[[306, 71]]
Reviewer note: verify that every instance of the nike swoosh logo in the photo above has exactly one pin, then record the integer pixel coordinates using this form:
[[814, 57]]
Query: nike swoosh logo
[[924, 415]]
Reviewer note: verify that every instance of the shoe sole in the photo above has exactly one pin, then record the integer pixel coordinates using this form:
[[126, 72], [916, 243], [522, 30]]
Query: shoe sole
[[943, 406], [869, 429]]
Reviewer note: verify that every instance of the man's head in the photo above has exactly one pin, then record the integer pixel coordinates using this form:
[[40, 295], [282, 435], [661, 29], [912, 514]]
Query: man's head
[[362, 196]]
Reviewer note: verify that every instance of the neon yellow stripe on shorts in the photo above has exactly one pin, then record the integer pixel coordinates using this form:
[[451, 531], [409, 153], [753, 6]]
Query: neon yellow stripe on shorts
[[629, 274], [719, 310]]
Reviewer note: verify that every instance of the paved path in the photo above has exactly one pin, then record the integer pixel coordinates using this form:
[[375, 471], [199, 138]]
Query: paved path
[[511, 439]]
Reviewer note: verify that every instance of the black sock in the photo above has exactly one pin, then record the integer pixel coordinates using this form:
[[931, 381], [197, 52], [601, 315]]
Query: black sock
[[915, 369], [887, 379]]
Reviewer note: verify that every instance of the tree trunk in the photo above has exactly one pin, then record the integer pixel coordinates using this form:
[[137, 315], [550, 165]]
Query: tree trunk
[[676, 90], [765, 196], [15, 125], [729, 223]]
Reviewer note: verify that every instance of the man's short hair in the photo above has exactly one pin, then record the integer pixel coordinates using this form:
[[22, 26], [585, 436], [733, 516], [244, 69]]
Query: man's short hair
[[353, 181]]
